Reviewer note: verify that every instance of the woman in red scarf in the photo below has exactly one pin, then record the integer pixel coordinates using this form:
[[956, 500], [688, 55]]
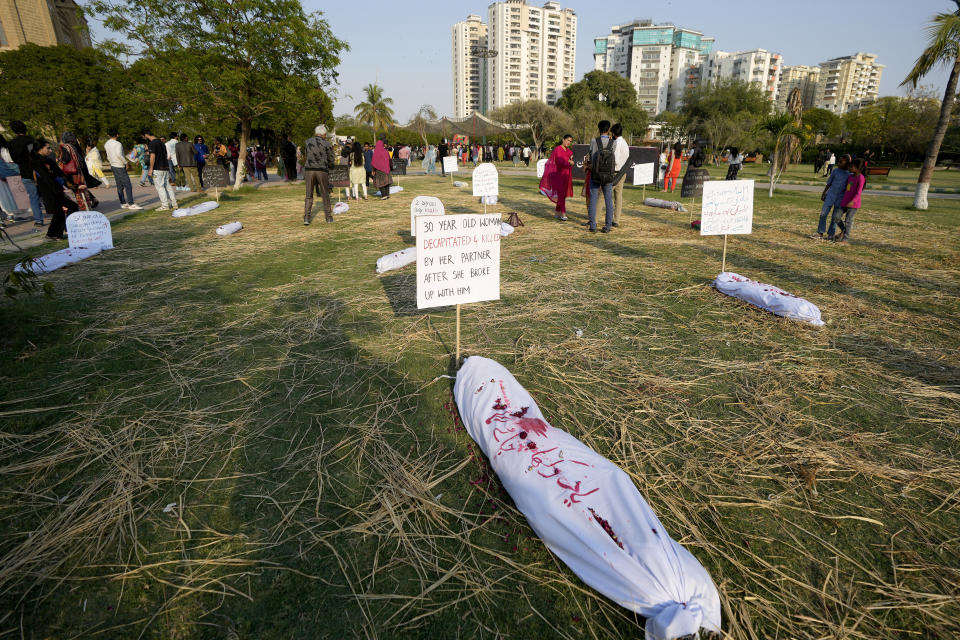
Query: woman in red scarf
[[381, 168], [557, 181]]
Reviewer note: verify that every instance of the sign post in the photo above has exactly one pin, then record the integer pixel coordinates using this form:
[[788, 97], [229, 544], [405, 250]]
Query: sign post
[[89, 229], [450, 166], [486, 182], [217, 177], [424, 206], [458, 261], [643, 174], [726, 208]]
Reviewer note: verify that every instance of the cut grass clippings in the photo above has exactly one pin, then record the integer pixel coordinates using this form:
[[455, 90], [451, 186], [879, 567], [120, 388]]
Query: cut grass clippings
[[248, 437]]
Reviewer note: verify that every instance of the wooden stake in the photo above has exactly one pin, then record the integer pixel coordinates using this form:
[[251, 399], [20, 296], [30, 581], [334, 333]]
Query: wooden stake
[[644, 196], [458, 337], [723, 264]]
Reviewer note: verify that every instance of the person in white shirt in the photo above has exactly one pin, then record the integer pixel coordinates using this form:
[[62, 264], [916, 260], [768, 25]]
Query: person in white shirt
[[171, 145], [118, 166], [621, 153], [831, 163], [526, 155], [663, 167]]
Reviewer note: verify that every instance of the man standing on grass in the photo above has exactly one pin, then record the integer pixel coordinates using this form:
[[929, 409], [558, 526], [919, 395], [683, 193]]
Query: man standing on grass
[[171, 145], [621, 153], [318, 159], [602, 174], [118, 165], [187, 161], [20, 148], [159, 172]]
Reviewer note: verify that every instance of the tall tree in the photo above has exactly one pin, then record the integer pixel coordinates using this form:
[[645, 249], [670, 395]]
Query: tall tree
[[375, 110], [725, 97], [231, 59], [610, 93], [943, 49], [542, 120], [781, 127], [822, 123], [419, 121]]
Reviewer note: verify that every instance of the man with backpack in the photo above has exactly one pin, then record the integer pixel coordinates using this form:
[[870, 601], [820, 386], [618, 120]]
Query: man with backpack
[[317, 161], [603, 173]]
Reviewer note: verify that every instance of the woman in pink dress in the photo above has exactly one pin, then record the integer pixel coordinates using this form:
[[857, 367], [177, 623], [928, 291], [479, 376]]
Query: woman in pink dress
[[557, 181]]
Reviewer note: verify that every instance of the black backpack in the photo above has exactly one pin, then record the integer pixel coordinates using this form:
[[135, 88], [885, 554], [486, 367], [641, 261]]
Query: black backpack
[[603, 168]]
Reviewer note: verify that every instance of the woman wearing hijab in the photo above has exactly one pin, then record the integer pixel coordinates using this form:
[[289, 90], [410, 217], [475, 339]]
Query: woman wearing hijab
[[430, 160], [381, 168], [50, 179], [74, 168], [557, 181]]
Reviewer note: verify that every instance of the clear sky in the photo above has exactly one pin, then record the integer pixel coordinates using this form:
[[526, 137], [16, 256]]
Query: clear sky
[[405, 45]]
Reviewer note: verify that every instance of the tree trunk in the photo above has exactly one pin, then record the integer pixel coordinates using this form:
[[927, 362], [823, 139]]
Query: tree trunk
[[773, 165], [245, 125], [930, 159]]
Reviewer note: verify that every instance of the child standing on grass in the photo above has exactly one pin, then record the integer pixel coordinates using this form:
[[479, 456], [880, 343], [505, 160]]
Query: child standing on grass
[[832, 196], [851, 200]]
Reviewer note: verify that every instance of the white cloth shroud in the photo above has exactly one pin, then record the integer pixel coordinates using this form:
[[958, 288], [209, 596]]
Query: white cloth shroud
[[664, 204], [459, 183], [393, 189], [341, 207], [59, 259], [488, 199], [227, 229], [400, 259], [397, 259], [576, 501], [196, 209], [768, 297]]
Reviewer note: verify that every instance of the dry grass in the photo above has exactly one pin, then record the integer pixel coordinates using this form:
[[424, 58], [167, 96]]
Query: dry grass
[[286, 399]]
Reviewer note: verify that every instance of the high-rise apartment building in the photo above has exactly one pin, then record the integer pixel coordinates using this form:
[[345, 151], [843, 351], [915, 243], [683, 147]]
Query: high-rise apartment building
[[43, 22], [802, 77], [536, 51], [662, 61], [848, 82], [757, 66], [531, 55], [469, 66]]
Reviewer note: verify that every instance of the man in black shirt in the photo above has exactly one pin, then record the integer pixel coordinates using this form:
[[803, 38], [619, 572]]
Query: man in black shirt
[[160, 172], [442, 151], [20, 148]]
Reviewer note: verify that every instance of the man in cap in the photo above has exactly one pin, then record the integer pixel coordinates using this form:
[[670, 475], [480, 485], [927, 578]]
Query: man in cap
[[317, 161]]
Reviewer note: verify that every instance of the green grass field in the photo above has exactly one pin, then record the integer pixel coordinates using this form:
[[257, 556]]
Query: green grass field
[[248, 438]]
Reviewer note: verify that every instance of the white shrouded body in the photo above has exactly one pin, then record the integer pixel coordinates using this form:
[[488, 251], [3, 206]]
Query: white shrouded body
[[397, 259], [577, 501], [227, 229], [196, 209], [340, 207], [769, 297], [664, 204], [59, 259]]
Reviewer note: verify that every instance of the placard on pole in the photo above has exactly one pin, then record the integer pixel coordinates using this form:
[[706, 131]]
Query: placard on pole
[[643, 175], [458, 261], [486, 182], [726, 209], [450, 166]]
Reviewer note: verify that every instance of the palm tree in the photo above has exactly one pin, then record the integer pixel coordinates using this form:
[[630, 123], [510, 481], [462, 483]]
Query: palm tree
[[376, 109], [943, 49], [783, 129]]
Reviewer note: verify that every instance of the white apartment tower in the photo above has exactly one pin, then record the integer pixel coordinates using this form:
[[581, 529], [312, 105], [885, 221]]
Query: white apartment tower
[[536, 52], [757, 66], [469, 77], [662, 61], [849, 82], [802, 77]]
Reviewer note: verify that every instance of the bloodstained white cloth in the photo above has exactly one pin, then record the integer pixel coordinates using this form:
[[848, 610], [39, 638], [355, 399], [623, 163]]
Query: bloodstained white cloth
[[341, 207], [584, 507], [59, 259], [397, 259], [196, 209], [505, 229], [664, 204], [769, 297]]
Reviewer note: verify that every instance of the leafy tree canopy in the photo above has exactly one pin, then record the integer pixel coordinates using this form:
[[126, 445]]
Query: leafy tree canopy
[[726, 97], [609, 93], [822, 122]]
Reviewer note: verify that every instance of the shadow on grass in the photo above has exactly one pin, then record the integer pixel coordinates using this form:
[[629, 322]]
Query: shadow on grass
[[615, 248], [900, 360], [405, 235]]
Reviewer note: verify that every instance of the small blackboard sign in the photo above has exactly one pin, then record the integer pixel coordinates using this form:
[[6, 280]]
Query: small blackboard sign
[[693, 180], [398, 167], [340, 176], [638, 155], [215, 176]]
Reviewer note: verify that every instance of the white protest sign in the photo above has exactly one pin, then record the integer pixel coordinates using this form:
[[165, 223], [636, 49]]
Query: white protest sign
[[727, 207], [486, 181], [458, 259], [541, 167], [89, 229], [643, 173], [424, 206], [450, 164]]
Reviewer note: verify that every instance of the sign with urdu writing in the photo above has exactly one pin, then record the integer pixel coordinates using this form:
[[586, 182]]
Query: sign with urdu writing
[[89, 229], [458, 259], [450, 164], [486, 180], [727, 207]]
